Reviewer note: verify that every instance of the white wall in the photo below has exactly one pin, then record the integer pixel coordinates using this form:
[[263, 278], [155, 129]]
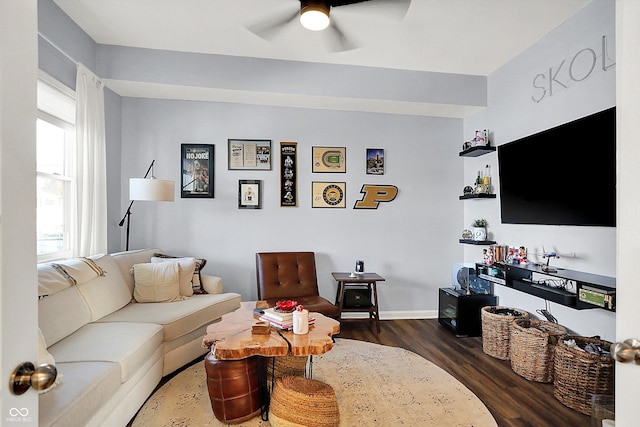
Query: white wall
[[512, 113]]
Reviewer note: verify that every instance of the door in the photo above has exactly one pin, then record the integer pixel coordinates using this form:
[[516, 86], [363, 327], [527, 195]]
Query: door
[[18, 293], [628, 226]]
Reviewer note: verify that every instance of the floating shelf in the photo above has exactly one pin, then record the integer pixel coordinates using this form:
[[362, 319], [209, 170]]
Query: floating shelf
[[477, 242], [478, 196], [477, 151]]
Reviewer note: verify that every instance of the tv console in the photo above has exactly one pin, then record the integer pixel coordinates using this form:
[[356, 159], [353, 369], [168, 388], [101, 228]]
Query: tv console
[[580, 291]]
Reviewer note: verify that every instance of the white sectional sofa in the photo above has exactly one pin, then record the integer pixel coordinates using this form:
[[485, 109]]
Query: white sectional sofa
[[111, 351]]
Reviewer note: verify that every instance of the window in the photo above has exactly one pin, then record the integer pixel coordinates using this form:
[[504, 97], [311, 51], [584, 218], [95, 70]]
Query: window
[[55, 165]]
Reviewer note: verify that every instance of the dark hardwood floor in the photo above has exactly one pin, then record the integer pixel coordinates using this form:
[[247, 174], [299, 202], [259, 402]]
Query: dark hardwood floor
[[512, 400]]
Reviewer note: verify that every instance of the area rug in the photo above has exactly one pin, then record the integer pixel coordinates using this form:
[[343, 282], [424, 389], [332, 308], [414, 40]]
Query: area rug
[[375, 385]]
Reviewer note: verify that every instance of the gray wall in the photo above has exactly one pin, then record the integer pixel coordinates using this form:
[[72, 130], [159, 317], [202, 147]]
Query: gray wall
[[513, 114], [410, 241]]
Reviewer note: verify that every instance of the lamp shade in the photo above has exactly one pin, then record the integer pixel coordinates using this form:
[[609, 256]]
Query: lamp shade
[[146, 189]]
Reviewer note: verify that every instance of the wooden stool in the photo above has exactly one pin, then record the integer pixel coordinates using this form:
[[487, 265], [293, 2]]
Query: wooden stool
[[234, 388], [298, 401]]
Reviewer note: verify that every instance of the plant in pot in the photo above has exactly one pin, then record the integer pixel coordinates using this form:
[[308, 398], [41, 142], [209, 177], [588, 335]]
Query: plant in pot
[[480, 229]]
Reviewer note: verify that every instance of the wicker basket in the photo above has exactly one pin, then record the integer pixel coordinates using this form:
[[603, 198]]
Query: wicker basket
[[298, 401], [496, 330], [286, 366], [580, 375], [532, 348]]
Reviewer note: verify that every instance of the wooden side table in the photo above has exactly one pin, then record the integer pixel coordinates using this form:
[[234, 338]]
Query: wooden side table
[[369, 280]]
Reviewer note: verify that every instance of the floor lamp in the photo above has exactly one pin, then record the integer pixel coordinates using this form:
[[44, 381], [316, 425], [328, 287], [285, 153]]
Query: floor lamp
[[147, 189]]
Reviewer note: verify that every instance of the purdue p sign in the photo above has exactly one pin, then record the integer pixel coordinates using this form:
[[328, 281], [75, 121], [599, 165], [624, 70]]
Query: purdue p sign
[[374, 194]]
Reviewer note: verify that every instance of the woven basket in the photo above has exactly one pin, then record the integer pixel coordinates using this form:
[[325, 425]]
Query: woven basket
[[532, 348], [298, 401], [287, 366], [580, 375], [496, 331]]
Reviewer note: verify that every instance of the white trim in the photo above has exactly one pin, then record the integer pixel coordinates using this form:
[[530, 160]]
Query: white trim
[[56, 84]]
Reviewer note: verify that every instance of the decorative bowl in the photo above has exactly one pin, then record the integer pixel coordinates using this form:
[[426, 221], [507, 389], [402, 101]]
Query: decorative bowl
[[286, 306]]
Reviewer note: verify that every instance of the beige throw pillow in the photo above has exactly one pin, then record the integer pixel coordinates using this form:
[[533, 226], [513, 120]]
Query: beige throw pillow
[[197, 280], [156, 282], [187, 268]]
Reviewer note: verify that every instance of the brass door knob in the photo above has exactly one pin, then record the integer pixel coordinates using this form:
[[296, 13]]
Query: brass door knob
[[627, 351], [27, 375]]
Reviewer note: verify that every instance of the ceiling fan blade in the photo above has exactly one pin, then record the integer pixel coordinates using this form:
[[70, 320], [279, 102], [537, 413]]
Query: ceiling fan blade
[[336, 40], [269, 28]]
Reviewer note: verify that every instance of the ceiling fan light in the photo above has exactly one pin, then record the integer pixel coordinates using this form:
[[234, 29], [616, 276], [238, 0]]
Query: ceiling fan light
[[314, 17]]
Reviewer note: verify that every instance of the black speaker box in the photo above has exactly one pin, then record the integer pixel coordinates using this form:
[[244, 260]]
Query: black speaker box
[[356, 298]]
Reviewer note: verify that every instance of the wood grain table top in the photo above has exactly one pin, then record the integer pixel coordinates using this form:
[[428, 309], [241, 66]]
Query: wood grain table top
[[232, 338]]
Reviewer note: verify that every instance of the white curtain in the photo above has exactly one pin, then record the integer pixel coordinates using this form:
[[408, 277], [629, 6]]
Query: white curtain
[[91, 215]]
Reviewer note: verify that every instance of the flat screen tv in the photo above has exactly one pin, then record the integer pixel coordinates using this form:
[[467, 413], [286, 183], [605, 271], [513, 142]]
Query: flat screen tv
[[561, 176]]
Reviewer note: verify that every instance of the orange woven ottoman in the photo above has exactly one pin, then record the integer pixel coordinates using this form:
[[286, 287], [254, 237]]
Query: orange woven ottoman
[[298, 401]]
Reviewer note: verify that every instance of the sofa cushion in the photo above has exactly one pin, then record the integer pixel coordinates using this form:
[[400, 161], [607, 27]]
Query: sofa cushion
[[62, 314], [56, 276], [158, 282], [44, 357], [187, 268], [180, 317], [126, 343], [107, 293], [84, 388]]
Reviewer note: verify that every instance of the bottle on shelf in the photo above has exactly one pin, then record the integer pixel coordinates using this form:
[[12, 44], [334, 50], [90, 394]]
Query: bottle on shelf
[[487, 179], [479, 183]]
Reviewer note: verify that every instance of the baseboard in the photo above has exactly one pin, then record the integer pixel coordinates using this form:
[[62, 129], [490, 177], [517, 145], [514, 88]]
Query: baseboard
[[396, 315]]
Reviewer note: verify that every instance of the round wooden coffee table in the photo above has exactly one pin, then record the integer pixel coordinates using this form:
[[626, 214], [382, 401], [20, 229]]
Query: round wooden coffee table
[[231, 340]]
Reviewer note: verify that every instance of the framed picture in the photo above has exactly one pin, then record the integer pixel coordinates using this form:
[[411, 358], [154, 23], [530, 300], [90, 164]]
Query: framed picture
[[329, 159], [197, 162], [249, 194], [249, 154], [328, 194], [375, 161]]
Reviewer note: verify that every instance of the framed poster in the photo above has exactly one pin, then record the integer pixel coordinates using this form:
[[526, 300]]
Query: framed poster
[[328, 194], [197, 162], [288, 174], [329, 159], [249, 194], [375, 161], [249, 154]]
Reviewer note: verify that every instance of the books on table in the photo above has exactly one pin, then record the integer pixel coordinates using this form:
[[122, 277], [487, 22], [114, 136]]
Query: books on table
[[285, 325], [279, 316]]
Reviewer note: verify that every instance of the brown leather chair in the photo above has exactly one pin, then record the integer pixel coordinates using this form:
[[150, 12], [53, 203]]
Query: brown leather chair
[[291, 276]]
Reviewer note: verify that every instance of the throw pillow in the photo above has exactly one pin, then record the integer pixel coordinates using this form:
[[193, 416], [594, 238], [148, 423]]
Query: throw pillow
[[197, 279], [159, 282], [187, 268]]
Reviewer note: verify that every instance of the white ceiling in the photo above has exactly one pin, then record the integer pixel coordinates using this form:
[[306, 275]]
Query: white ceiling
[[452, 36], [473, 37]]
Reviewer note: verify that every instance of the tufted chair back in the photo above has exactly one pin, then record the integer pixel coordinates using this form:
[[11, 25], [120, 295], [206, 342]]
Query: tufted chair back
[[286, 275], [290, 275]]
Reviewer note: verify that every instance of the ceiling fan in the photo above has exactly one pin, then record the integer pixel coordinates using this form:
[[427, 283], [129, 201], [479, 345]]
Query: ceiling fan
[[317, 15]]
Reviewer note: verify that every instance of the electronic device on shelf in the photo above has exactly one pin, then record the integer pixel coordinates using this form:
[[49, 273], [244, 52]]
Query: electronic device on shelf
[[465, 279]]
